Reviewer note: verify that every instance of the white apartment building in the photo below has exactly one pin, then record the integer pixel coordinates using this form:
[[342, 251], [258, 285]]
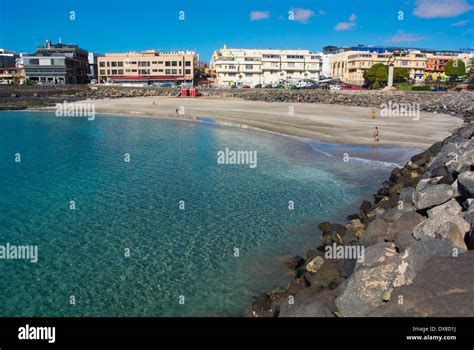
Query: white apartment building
[[264, 66]]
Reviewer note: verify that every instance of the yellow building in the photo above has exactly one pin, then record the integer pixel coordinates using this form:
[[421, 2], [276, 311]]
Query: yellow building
[[147, 67], [349, 66]]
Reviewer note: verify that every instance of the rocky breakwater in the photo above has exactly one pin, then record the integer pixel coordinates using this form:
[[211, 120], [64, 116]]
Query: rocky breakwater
[[407, 253], [457, 103], [21, 97]]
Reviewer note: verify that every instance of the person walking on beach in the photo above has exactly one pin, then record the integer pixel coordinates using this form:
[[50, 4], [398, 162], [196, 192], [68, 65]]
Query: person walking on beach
[[376, 134], [177, 112], [373, 113]]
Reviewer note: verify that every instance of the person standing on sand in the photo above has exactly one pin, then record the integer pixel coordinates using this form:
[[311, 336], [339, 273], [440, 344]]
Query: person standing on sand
[[177, 112], [373, 113], [376, 134]]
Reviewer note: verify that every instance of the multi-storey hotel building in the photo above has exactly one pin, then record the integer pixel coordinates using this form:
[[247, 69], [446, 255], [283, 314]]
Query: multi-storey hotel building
[[57, 64], [264, 66], [349, 66], [147, 67]]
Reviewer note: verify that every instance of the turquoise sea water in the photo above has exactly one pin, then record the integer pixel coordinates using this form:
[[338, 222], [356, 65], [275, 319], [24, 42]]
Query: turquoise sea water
[[135, 206]]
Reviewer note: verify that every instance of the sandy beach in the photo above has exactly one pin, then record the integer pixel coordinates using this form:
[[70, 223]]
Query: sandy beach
[[338, 124]]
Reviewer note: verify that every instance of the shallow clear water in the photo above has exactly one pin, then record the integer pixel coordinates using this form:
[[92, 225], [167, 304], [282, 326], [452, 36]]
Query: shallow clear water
[[135, 205]]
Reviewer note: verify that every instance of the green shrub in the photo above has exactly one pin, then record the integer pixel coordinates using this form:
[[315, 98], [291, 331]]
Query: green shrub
[[376, 85], [404, 86], [421, 88]]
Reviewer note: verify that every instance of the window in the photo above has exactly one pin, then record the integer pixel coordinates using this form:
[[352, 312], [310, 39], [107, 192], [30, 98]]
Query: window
[[160, 70], [102, 72], [187, 63], [248, 75], [174, 71], [291, 65], [154, 62], [174, 64], [180, 72], [114, 64], [180, 63], [188, 71], [108, 64], [114, 71], [230, 74], [120, 71], [120, 64], [168, 64], [248, 66], [144, 64], [160, 62], [102, 64], [167, 71]]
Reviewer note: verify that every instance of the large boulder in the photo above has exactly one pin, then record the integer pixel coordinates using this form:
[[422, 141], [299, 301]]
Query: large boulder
[[450, 232], [414, 257], [402, 229], [376, 232], [428, 228], [433, 195], [325, 275], [451, 207], [366, 288], [443, 288], [466, 183]]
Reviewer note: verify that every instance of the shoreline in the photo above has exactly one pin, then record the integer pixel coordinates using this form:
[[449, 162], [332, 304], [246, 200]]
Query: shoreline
[[382, 156]]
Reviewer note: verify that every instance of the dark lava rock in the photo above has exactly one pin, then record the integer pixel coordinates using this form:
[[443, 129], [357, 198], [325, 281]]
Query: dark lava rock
[[365, 206], [443, 288], [376, 232], [466, 183], [294, 262]]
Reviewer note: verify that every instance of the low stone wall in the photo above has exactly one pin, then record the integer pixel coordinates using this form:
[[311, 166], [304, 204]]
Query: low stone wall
[[459, 104], [407, 253]]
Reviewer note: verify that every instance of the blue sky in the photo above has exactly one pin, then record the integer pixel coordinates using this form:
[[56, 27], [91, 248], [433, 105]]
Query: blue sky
[[124, 25]]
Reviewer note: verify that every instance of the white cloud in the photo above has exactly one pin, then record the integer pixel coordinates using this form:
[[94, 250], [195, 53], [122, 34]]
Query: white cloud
[[259, 15], [302, 15], [402, 37], [441, 8], [347, 25], [460, 23]]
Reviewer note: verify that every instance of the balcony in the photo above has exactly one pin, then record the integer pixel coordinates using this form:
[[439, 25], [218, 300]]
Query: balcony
[[227, 70]]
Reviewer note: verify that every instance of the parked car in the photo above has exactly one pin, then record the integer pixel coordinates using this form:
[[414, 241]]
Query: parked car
[[439, 88], [258, 86], [350, 87], [301, 84], [335, 87], [245, 86]]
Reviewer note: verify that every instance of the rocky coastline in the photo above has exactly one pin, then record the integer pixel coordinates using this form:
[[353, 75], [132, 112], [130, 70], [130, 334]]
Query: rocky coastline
[[417, 240]]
